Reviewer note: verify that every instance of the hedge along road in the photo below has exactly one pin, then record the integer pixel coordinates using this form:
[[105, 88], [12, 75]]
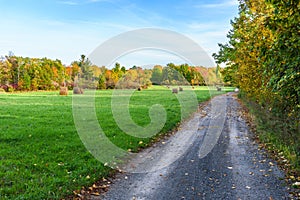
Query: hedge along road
[[234, 169]]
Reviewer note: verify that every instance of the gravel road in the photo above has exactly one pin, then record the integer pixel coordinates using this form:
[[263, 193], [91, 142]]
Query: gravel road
[[210, 157]]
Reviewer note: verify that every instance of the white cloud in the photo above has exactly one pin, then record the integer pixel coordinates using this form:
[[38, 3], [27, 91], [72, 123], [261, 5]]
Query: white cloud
[[70, 3], [67, 39], [208, 35], [228, 3], [204, 26], [95, 1], [76, 3], [209, 40]]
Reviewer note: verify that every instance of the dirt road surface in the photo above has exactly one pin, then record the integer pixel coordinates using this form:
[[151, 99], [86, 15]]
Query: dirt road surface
[[194, 164]]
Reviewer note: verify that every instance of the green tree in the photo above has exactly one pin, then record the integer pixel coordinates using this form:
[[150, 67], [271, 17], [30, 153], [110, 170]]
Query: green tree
[[229, 75], [85, 66], [101, 82], [156, 75]]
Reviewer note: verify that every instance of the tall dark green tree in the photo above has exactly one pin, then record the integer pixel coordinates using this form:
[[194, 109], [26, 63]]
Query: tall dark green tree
[[102, 82], [156, 77]]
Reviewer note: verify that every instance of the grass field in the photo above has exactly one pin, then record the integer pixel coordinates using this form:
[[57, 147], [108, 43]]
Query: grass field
[[41, 154]]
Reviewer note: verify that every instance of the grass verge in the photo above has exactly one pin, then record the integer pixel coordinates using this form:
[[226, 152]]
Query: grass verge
[[279, 136]]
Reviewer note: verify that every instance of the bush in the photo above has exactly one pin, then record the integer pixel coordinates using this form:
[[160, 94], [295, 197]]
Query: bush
[[10, 88], [2, 90], [279, 131], [70, 85]]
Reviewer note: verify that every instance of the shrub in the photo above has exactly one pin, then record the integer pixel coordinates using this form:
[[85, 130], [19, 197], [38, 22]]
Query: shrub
[[10, 88], [70, 85], [2, 90]]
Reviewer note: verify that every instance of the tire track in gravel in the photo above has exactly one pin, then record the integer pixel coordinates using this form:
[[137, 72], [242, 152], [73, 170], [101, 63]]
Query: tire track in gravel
[[234, 168]]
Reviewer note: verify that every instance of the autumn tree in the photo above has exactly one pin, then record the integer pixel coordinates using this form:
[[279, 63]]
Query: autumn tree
[[262, 56], [262, 53], [31, 73], [181, 75]]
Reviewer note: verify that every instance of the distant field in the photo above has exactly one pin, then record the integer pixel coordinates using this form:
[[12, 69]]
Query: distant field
[[41, 154]]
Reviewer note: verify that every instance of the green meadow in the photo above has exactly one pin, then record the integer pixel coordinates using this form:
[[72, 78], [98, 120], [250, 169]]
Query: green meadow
[[41, 154]]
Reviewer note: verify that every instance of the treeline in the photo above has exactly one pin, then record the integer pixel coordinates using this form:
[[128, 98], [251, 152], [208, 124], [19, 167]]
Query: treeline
[[29, 74], [18, 73], [263, 60]]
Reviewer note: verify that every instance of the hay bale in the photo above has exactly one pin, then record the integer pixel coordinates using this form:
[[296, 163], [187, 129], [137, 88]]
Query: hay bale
[[63, 91], [77, 90], [175, 90], [180, 89]]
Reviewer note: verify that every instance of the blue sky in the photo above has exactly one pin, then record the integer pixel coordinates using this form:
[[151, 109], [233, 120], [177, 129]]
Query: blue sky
[[65, 29]]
